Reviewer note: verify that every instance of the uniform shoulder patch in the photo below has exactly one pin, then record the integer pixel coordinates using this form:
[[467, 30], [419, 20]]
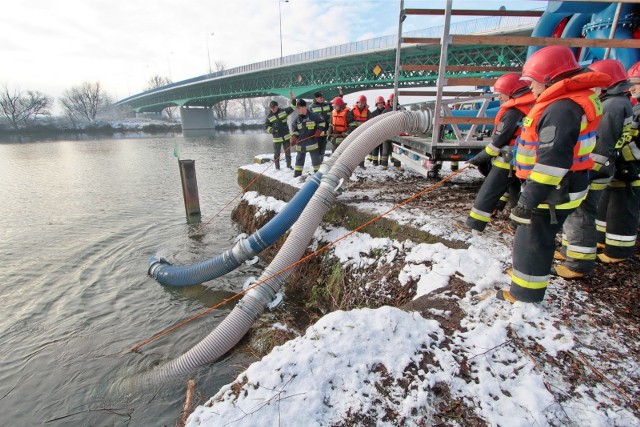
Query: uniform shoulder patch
[[547, 134]]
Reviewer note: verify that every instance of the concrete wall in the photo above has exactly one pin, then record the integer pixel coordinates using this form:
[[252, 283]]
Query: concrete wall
[[196, 118]]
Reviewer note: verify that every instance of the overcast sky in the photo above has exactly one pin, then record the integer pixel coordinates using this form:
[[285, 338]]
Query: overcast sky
[[52, 45]]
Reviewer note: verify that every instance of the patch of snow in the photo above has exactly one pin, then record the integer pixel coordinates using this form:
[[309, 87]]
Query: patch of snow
[[352, 364]]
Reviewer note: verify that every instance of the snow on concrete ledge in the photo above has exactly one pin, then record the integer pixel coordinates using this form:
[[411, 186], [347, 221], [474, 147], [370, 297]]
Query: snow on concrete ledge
[[507, 365]]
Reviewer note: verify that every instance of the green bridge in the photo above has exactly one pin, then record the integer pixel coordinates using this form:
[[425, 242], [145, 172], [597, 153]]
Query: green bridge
[[367, 64]]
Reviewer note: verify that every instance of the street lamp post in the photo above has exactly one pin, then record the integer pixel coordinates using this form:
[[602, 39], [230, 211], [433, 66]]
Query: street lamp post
[[280, 14], [169, 65], [208, 53]]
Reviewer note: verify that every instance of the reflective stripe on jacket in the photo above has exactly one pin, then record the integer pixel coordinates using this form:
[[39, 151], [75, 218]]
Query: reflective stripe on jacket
[[304, 128], [276, 124], [523, 104], [323, 110], [578, 90]]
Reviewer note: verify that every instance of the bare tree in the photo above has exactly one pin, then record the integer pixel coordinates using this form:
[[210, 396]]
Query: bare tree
[[220, 109], [157, 81], [20, 107], [281, 100], [265, 104], [249, 107], [84, 102]]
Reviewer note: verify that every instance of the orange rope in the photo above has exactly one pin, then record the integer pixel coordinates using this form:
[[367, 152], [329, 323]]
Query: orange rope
[[300, 261]]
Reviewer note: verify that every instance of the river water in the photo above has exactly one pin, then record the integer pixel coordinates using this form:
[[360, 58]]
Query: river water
[[79, 220]]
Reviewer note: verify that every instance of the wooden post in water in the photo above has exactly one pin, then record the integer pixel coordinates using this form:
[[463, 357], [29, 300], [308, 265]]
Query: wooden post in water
[[190, 189]]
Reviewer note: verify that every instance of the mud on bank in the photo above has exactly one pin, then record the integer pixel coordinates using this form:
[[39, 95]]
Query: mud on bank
[[607, 301], [617, 288]]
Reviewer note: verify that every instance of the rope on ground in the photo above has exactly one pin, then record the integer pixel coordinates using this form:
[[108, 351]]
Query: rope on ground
[[300, 261]]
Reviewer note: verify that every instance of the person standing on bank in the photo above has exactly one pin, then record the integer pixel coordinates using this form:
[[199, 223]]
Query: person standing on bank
[[323, 109], [517, 100], [619, 209], [552, 154], [307, 128], [360, 113], [387, 146], [579, 239], [339, 125], [375, 155], [276, 124]]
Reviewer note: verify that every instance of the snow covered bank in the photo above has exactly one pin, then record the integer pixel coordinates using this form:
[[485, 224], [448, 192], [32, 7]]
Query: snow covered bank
[[454, 356]]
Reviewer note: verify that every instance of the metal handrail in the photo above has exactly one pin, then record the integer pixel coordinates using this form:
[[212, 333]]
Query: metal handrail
[[473, 26]]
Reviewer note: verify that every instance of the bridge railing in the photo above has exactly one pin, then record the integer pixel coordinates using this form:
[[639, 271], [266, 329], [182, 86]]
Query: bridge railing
[[473, 26]]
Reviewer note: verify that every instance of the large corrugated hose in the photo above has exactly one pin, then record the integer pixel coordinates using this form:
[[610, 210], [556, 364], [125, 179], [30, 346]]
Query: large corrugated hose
[[188, 275], [341, 165]]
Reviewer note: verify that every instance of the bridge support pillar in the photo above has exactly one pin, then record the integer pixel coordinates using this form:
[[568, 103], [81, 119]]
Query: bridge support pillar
[[194, 118]]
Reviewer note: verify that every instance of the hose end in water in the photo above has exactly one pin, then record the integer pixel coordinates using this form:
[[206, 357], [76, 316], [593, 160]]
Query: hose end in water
[[156, 262]]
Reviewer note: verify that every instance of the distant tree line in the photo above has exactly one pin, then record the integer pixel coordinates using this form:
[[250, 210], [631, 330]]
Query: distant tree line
[[83, 104]]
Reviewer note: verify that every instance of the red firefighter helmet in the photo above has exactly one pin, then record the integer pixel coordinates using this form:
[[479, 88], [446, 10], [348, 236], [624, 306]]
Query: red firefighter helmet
[[338, 102], [548, 63], [634, 73], [612, 68], [391, 96], [362, 99], [508, 84], [379, 100]]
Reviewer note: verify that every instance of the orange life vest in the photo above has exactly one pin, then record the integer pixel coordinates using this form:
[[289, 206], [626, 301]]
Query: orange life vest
[[360, 116], [523, 104], [339, 120], [577, 89]]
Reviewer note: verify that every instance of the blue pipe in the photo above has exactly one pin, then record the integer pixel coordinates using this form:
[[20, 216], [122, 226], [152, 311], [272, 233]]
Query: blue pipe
[[545, 26], [188, 275], [600, 27], [593, 19], [491, 112], [574, 27]]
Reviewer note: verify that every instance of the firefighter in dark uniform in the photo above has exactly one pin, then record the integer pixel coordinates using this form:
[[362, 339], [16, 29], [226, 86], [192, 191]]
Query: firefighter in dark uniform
[[517, 100], [619, 209], [276, 124], [322, 108], [340, 118], [552, 154], [307, 128], [579, 239], [387, 146], [360, 113], [375, 155]]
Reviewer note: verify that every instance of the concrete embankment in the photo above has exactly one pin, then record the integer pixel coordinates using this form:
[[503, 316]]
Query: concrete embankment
[[352, 209]]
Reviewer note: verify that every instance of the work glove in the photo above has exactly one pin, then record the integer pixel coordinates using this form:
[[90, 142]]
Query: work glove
[[294, 139], [480, 158], [520, 215], [318, 133]]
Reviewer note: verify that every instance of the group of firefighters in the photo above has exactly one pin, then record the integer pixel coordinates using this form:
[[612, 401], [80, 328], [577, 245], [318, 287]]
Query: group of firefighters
[[319, 123], [565, 155]]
